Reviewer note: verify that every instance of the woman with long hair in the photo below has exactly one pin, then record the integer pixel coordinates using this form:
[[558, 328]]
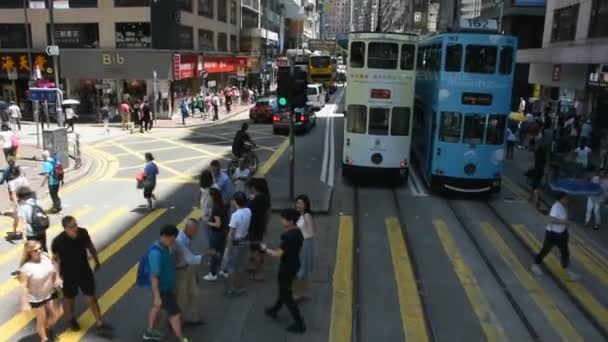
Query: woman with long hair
[[40, 280], [259, 204], [218, 228], [306, 225]]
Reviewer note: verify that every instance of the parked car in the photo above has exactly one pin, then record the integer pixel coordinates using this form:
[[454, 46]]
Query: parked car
[[316, 96], [265, 108], [306, 119]]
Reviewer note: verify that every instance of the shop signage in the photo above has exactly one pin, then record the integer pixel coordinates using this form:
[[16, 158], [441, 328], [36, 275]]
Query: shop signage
[[557, 72], [184, 66], [215, 65], [241, 67], [19, 63], [112, 58], [52, 50], [598, 79], [121, 64], [176, 64]]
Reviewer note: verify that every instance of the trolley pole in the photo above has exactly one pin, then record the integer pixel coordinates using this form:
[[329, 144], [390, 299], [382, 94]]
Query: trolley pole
[[292, 140]]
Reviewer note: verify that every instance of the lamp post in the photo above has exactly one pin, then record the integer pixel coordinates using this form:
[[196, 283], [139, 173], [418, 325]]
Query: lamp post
[[50, 4]]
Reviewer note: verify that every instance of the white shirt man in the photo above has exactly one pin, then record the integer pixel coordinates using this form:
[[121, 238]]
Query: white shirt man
[[186, 286], [237, 252], [522, 105], [582, 156], [15, 115]]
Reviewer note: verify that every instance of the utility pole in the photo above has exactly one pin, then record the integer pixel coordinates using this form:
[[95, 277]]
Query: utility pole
[[292, 140], [51, 5], [28, 42]]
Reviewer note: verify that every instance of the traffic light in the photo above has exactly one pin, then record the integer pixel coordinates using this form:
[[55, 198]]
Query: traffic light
[[299, 87], [283, 85]]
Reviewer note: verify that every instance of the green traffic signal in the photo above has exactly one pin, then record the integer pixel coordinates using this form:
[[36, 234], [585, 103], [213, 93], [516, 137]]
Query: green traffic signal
[[282, 101]]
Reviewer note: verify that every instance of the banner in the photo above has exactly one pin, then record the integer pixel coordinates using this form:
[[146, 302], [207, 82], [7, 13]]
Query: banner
[[215, 65]]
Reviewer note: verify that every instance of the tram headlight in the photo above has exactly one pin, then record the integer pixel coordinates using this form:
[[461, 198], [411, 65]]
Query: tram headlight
[[470, 169], [377, 158]]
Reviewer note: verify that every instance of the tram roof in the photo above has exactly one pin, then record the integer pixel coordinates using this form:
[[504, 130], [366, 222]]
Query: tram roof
[[382, 35]]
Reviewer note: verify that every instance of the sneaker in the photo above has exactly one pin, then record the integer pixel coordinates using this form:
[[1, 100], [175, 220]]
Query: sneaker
[[596, 227], [296, 328], [210, 277], [270, 313], [74, 324], [152, 335], [535, 268], [224, 274], [573, 276]]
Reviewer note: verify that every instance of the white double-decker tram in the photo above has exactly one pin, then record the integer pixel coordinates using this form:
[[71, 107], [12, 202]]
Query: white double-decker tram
[[379, 105]]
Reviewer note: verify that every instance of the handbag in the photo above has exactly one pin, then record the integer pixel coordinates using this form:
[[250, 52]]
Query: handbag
[[140, 180]]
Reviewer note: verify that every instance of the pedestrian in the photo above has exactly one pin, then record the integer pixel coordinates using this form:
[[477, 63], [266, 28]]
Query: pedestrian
[[218, 228], [105, 118], [227, 100], [150, 173], [581, 158], [223, 182], [146, 117], [215, 102], [52, 179], [556, 235], [594, 203], [137, 116], [70, 117], [40, 280], [237, 251], [522, 105], [241, 176], [125, 115], [8, 139], [259, 204], [186, 262], [289, 254], [511, 140], [163, 279], [70, 249], [586, 131], [14, 178], [536, 174], [30, 218], [15, 116], [205, 183], [184, 111], [5, 118], [306, 225]]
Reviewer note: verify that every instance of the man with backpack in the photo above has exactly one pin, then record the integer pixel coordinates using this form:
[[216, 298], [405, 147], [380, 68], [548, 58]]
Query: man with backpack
[[32, 219], [53, 177]]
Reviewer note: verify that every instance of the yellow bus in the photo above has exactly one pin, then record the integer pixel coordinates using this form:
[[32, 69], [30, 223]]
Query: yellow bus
[[321, 70]]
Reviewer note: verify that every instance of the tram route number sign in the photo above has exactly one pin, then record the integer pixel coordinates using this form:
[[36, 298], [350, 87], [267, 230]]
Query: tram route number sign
[[476, 99], [479, 24]]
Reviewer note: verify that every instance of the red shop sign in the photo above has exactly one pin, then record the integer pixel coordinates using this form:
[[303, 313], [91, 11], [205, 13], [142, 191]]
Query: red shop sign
[[557, 72], [176, 66], [188, 66], [219, 64]]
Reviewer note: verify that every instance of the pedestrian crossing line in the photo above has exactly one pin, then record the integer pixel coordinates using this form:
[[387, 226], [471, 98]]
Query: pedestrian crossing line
[[121, 287], [192, 146], [490, 325], [341, 323], [169, 161], [412, 312], [590, 253], [590, 304], [140, 155], [549, 308], [268, 164]]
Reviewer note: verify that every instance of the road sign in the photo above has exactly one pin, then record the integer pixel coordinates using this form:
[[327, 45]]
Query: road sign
[[52, 50], [41, 94]]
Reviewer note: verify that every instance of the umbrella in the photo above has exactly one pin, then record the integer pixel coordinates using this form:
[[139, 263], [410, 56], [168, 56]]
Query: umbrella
[[71, 102], [517, 116], [575, 186]]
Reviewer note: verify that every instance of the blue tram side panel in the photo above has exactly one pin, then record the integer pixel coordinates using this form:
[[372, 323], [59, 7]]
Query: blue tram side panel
[[463, 96]]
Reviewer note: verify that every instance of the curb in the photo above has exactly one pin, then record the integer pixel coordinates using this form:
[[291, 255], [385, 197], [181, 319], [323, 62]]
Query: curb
[[209, 123]]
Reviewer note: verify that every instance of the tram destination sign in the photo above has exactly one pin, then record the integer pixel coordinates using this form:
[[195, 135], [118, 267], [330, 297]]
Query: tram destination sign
[[476, 99]]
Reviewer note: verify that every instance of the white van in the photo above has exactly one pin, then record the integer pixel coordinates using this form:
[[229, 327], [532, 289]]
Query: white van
[[316, 96]]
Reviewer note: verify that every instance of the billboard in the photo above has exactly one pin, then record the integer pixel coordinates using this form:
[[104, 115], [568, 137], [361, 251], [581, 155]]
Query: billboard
[[322, 45]]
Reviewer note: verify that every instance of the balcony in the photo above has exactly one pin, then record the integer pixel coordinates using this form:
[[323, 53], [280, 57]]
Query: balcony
[[253, 5]]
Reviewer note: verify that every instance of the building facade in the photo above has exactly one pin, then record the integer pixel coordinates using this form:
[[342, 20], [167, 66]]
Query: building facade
[[123, 54], [336, 19], [364, 15], [571, 67]]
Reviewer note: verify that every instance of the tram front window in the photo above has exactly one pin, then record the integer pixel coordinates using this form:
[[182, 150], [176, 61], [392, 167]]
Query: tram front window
[[378, 121], [474, 126], [506, 60], [495, 133], [400, 121], [357, 54], [451, 123], [382, 56], [480, 59], [356, 119], [453, 57], [408, 51]]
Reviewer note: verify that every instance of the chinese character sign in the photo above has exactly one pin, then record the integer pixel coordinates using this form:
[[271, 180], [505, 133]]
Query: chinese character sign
[[19, 63]]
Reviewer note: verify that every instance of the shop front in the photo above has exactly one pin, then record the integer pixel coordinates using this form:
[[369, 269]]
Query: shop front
[[221, 72], [100, 78]]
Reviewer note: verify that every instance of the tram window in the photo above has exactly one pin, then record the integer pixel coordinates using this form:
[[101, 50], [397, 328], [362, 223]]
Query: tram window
[[495, 133], [408, 51], [357, 54], [474, 126], [480, 59], [382, 56], [451, 123], [378, 121], [420, 58], [506, 60], [453, 57], [400, 121], [356, 119]]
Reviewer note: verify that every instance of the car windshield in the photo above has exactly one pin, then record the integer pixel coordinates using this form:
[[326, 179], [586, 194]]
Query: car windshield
[[320, 62], [312, 91]]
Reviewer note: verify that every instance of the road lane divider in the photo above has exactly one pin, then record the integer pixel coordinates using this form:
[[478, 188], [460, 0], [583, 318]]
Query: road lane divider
[[594, 308], [547, 305], [341, 322], [268, 164], [412, 311], [122, 286], [490, 325]]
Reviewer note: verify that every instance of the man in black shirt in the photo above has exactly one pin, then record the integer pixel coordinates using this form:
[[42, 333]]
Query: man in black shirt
[[146, 117], [240, 138], [70, 253], [289, 253]]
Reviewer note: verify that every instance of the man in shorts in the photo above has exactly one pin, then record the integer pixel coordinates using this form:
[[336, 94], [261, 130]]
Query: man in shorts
[[237, 252], [163, 276], [70, 253]]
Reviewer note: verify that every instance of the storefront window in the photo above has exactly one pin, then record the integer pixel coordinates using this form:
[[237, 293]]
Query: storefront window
[[205, 8], [12, 36], [185, 38], [599, 25], [205, 40], [75, 35], [131, 3], [233, 12], [221, 11], [133, 35], [222, 42], [564, 23], [233, 44]]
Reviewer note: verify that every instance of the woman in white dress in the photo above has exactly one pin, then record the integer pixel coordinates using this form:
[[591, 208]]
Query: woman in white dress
[[306, 225]]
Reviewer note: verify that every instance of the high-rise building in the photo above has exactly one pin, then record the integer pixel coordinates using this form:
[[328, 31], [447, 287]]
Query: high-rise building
[[364, 15], [470, 8], [336, 18]]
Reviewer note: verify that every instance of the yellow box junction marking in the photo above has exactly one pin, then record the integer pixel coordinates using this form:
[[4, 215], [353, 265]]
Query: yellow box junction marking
[[412, 312], [140, 155], [192, 147], [576, 290], [490, 325], [340, 327], [265, 168], [550, 310], [120, 288]]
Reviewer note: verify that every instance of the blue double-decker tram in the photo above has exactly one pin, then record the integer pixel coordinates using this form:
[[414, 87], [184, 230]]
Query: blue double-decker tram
[[463, 94]]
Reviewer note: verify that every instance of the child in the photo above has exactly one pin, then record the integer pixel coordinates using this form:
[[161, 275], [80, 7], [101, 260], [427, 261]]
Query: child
[[241, 176]]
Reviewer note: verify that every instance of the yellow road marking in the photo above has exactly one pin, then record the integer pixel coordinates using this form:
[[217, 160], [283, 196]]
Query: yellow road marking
[[111, 164], [490, 325], [193, 147], [120, 288], [519, 191], [175, 180], [155, 150], [591, 254], [170, 161], [264, 169], [412, 312], [340, 326], [576, 290], [140, 155], [550, 310]]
